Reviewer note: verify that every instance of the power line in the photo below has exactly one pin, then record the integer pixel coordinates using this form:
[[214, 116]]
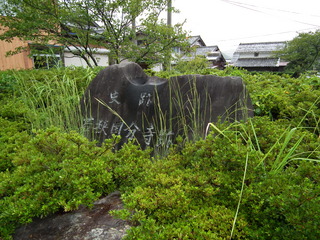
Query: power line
[[273, 9], [252, 8], [264, 35]]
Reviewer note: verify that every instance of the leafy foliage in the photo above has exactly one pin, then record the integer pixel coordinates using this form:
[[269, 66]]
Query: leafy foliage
[[303, 53], [253, 180], [55, 170], [12, 134], [195, 65], [52, 171], [73, 24], [7, 83], [193, 193]]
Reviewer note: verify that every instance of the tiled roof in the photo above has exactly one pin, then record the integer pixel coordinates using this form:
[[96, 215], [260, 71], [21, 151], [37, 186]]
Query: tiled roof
[[260, 47], [193, 39], [254, 62], [205, 50], [211, 52]]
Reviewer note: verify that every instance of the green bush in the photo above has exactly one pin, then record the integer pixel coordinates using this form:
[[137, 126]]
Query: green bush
[[7, 83], [284, 206], [52, 171], [12, 136], [254, 180], [11, 108], [128, 165], [188, 67], [194, 192], [283, 97]]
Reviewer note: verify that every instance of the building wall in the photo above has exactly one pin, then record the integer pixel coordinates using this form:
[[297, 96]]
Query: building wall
[[73, 60], [17, 61], [102, 59], [251, 55], [23, 61]]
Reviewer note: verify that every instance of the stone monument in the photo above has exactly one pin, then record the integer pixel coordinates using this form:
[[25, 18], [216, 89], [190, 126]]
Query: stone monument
[[123, 100]]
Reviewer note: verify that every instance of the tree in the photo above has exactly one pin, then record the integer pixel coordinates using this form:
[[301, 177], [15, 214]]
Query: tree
[[303, 53], [74, 23], [195, 65]]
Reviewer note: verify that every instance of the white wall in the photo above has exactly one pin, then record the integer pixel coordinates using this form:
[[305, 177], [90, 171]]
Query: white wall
[[72, 60]]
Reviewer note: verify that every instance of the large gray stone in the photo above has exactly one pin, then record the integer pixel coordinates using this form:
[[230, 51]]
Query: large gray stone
[[82, 224], [123, 100]]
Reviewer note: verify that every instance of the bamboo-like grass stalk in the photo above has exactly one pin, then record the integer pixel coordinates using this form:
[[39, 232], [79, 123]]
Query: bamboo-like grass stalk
[[240, 196], [285, 155], [51, 102]]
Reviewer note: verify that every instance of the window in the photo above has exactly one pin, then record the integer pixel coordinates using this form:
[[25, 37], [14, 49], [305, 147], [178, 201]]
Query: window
[[141, 42], [46, 61], [176, 50], [46, 56]]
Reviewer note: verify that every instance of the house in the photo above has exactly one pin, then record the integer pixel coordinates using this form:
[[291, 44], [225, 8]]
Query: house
[[100, 54], [70, 59], [196, 41], [44, 56], [198, 48], [259, 56], [17, 61]]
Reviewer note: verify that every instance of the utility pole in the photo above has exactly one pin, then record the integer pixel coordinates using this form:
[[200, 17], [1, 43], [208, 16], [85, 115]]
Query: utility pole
[[134, 30], [169, 24], [169, 12]]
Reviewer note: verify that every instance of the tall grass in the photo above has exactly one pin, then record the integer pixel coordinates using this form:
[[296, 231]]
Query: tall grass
[[182, 116], [285, 149], [313, 115], [163, 126], [189, 110], [52, 100]]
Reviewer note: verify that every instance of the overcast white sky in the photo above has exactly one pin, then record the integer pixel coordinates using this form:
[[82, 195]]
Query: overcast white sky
[[227, 23]]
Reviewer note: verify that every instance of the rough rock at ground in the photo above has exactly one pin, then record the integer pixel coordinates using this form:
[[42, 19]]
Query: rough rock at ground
[[83, 224]]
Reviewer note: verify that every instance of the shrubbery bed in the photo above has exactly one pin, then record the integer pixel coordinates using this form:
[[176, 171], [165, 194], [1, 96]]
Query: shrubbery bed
[[253, 180]]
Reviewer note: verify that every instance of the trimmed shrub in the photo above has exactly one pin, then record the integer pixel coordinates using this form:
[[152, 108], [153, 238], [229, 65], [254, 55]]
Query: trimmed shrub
[[254, 180], [52, 171], [231, 186], [12, 135], [56, 171]]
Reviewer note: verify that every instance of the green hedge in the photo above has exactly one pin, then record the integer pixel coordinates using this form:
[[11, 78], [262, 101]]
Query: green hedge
[[53, 170], [254, 180], [194, 192]]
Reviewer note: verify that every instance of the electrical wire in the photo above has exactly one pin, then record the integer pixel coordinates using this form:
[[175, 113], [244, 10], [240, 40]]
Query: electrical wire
[[273, 9], [253, 8], [264, 35]]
